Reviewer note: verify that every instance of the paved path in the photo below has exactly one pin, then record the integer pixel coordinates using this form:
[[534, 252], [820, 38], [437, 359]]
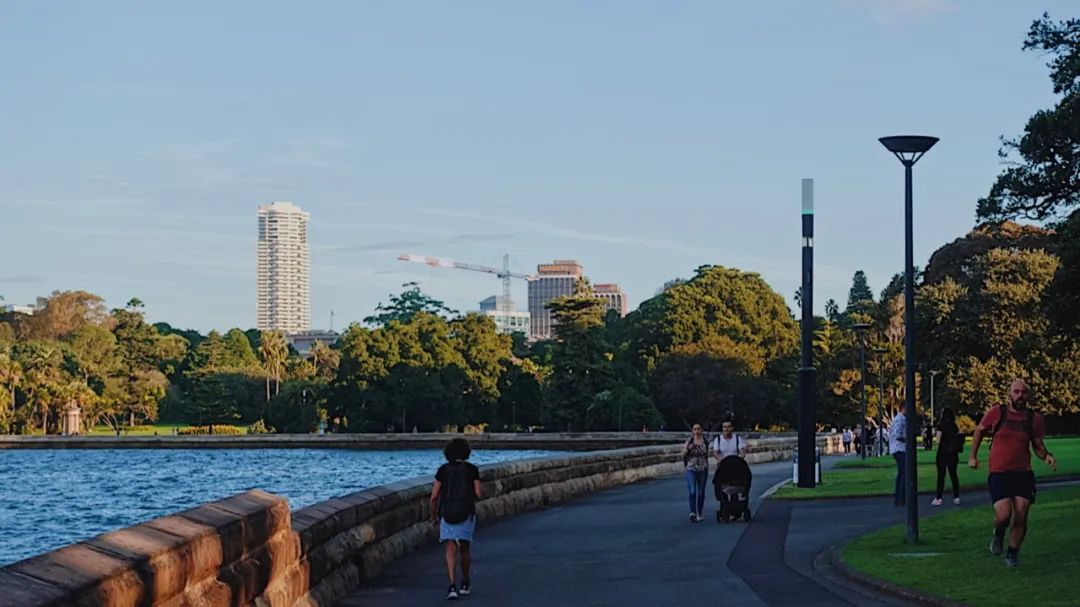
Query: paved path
[[634, 546]]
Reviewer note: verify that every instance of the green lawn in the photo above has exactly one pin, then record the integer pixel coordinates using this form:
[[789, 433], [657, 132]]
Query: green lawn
[[163, 429], [855, 478], [952, 558]]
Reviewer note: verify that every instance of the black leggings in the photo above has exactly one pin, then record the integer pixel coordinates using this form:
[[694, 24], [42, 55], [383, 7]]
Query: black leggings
[[946, 462]]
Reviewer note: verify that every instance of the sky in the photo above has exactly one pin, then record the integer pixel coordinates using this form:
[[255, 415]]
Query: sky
[[643, 139]]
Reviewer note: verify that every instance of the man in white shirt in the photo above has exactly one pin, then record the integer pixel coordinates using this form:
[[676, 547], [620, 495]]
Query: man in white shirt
[[897, 446], [728, 443]]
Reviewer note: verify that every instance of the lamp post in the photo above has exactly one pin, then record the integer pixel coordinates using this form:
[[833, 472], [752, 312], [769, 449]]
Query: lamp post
[[860, 329], [881, 397], [933, 416], [908, 149], [807, 450]]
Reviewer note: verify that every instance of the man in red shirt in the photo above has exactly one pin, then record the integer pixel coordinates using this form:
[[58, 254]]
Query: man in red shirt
[[1011, 480]]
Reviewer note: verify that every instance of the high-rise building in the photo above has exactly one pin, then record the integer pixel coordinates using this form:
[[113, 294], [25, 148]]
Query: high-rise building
[[507, 320], [556, 279], [284, 269], [614, 298]]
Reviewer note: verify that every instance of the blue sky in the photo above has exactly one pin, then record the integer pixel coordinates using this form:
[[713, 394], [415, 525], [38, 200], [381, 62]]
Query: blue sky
[[641, 138]]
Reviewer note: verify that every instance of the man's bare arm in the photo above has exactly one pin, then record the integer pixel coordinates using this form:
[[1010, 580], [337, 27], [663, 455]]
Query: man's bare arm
[[1042, 453], [976, 440]]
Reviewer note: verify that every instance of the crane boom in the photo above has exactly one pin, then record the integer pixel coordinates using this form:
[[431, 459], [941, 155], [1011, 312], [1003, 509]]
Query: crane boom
[[440, 262]]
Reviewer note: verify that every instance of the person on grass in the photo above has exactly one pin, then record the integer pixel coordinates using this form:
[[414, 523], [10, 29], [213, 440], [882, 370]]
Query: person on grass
[[949, 445], [1015, 428], [695, 454], [453, 505], [846, 438], [898, 448]]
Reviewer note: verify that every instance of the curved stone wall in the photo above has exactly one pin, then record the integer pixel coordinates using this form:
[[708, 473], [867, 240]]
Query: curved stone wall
[[251, 550]]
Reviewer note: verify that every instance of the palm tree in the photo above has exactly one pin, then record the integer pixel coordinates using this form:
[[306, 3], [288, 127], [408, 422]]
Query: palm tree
[[274, 350]]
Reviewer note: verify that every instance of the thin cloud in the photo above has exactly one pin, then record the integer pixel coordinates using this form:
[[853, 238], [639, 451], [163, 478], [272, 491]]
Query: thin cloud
[[574, 234], [20, 279], [390, 245], [900, 12], [478, 238]]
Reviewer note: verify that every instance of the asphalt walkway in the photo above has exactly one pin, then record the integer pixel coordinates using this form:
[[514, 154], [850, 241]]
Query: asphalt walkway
[[634, 546]]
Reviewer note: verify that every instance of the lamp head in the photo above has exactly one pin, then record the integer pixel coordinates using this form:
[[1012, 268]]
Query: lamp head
[[908, 148]]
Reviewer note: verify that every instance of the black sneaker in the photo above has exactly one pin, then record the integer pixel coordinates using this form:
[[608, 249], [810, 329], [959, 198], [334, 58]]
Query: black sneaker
[[997, 544], [1012, 558], [466, 589], [451, 593]]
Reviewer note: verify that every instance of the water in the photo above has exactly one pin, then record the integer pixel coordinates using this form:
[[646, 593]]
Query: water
[[51, 498]]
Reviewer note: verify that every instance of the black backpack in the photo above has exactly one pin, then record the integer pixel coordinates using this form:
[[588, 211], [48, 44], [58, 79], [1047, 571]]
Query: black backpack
[[456, 497], [1029, 423]]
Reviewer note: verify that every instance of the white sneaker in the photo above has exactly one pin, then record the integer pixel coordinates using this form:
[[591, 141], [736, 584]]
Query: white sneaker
[[693, 517], [700, 518], [936, 502], [956, 501]]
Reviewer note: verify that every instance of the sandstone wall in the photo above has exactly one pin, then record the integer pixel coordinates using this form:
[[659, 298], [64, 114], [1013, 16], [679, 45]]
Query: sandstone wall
[[250, 550]]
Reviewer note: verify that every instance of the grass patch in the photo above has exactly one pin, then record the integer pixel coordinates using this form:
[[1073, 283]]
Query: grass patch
[[164, 429], [854, 478], [952, 557]]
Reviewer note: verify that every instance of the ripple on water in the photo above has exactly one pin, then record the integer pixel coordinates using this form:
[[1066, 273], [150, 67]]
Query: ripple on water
[[49, 498]]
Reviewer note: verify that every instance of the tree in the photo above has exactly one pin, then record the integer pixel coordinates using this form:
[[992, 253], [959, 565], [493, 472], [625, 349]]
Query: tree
[[238, 353], [860, 295], [60, 314], [581, 359], [1043, 179], [274, 350], [402, 308], [324, 359]]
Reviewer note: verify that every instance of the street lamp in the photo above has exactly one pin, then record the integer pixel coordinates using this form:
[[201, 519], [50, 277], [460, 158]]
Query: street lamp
[[908, 149], [933, 417], [860, 328], [881, 397]]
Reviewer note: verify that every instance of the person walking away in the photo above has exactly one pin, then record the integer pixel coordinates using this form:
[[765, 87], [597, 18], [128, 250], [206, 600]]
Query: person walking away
[[897, 438], [1014, 428], [928, 433], [949, 445], [453, 505], [695, 454], [846, 437]]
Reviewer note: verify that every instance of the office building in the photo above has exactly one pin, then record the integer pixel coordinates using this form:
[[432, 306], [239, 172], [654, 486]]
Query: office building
[[284, 269], [552, 280], [303, 341], [614, 298], [507, 320]]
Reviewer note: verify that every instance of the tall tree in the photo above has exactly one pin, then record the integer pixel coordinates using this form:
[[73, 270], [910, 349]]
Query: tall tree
[[581, 359], [1043, 175], [404, 306], [274, 350], [859, 296]]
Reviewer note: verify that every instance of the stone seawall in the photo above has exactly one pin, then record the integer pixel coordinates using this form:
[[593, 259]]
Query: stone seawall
[[571, 441], [251, 550]]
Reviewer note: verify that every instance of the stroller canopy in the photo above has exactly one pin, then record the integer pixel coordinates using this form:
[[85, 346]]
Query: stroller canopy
[[732, 470]]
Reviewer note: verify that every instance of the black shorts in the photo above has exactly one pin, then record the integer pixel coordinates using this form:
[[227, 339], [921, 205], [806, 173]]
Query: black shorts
[[1012, 484]]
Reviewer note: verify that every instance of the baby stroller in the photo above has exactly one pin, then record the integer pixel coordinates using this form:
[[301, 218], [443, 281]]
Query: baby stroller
[[732, 486]]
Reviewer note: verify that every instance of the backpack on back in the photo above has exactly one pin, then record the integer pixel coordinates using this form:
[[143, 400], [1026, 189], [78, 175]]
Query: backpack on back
[[456, 497], [1029, 423]]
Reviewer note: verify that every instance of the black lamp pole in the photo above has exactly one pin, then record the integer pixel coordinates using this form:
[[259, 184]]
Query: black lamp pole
[[881, 397], [909, 149], [807, 373], [860, 328]]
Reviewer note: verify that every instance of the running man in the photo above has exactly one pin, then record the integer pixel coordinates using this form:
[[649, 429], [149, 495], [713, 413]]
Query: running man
[[1011, 480]]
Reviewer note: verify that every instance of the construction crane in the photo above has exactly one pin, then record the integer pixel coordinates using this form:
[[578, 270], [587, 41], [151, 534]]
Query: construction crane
[[505, 274]]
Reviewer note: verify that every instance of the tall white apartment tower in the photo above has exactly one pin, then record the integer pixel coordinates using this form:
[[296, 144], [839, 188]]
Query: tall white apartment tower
[[284, 272]]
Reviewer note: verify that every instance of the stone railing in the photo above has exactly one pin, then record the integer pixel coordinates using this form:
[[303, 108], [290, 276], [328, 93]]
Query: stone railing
[[250, 550], [565, 441]]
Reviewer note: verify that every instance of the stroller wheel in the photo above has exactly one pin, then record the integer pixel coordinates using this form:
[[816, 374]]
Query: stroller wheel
[[747, 516], [718, 516]]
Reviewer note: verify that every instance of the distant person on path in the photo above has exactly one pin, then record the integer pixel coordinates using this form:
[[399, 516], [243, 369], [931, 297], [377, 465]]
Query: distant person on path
[[949, 445], [898, 448], [928, 433], [846, 438], [1012, 482], [728, 443], [695, 454], [453, 505]]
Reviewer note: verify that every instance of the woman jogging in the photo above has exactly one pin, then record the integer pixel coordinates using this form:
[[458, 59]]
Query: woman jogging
[[949, 444], [695, 455]]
